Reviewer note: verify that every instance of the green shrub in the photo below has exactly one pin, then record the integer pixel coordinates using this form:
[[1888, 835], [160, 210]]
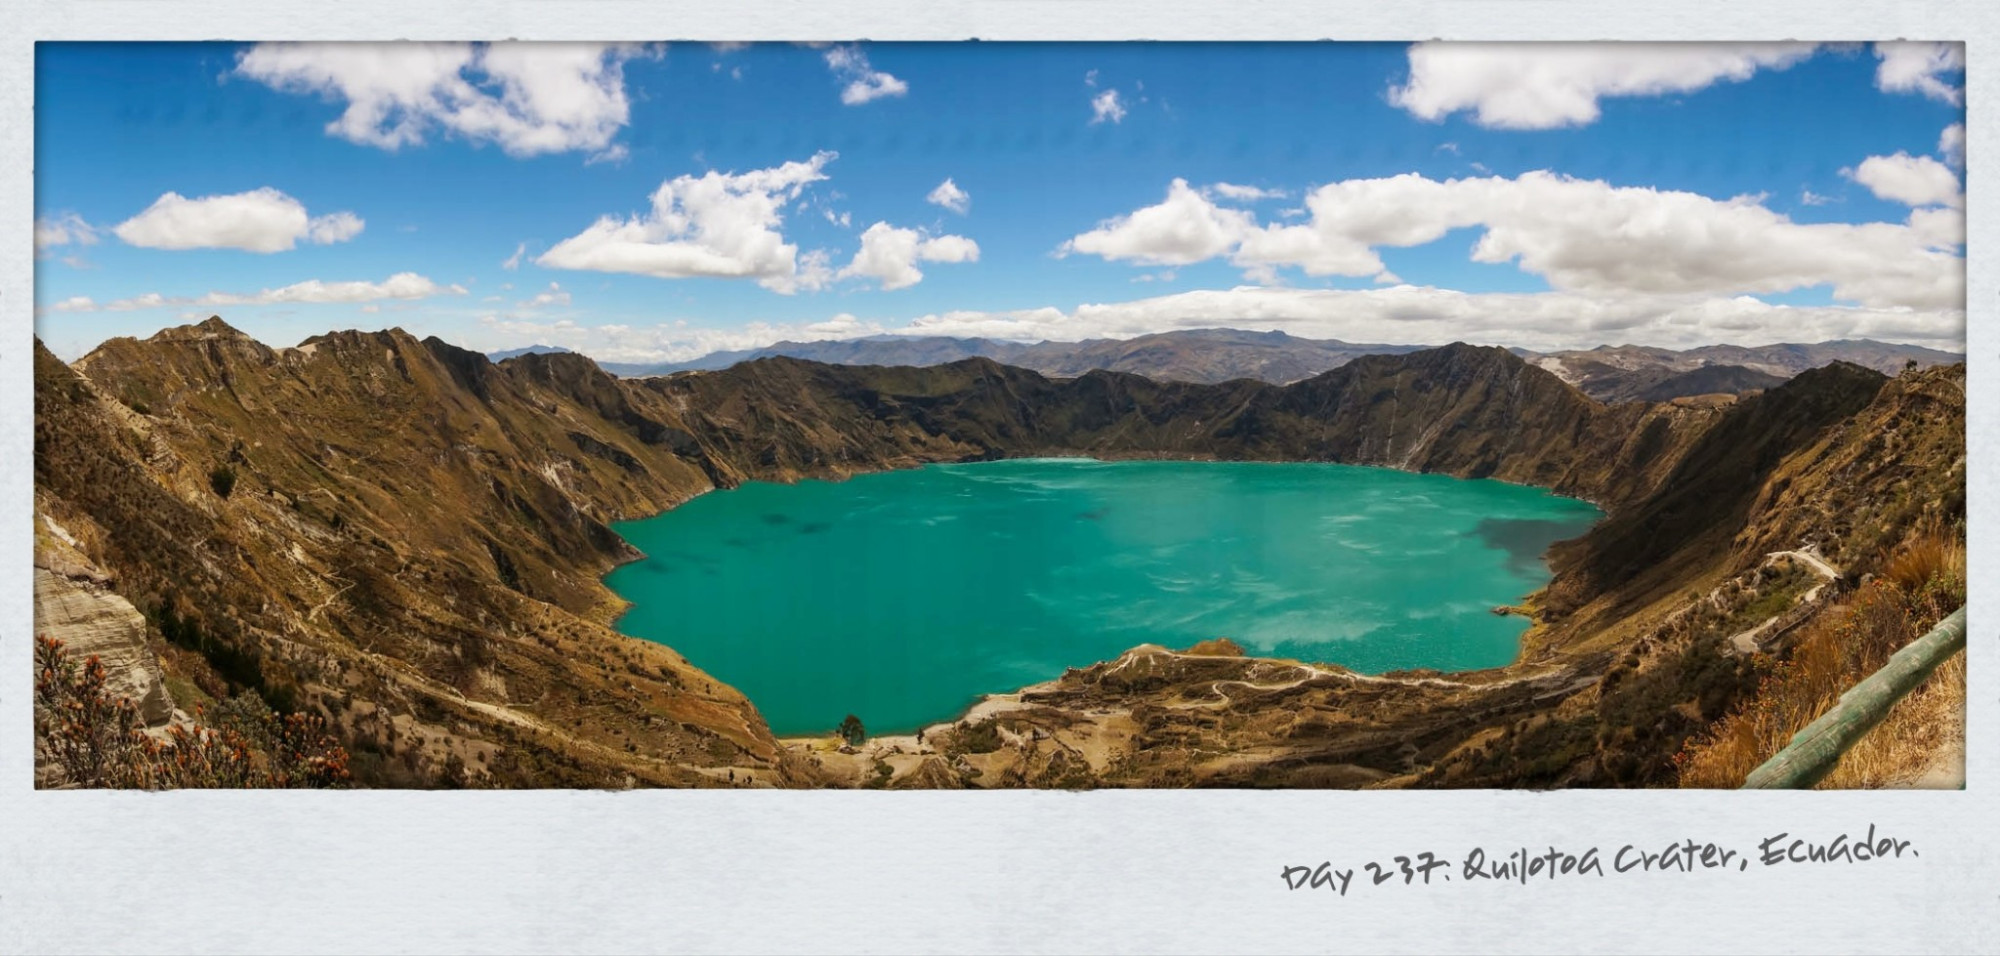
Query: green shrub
[[979, 738], [222, 479], [851, 731]]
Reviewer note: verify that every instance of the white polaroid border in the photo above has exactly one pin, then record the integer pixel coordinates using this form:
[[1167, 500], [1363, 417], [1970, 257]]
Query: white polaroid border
[[992, 871]]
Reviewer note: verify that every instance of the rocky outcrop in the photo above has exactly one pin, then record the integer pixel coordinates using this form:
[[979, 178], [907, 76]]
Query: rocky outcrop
[[74, 604]]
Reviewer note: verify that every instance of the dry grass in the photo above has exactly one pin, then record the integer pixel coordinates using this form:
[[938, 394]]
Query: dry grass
[[1919, 584], [1920, 744]]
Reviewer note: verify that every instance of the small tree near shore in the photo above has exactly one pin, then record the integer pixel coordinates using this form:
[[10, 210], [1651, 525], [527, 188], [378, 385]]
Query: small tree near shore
[[851, 731]]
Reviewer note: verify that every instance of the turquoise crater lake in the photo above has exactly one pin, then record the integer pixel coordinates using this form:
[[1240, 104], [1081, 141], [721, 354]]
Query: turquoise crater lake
[[903, 596]]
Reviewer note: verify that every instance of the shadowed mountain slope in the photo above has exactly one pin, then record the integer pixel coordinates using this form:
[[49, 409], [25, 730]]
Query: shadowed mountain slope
[[411, 537]]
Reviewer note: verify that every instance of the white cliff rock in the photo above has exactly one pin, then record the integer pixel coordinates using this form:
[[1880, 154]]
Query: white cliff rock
[[75, 605]]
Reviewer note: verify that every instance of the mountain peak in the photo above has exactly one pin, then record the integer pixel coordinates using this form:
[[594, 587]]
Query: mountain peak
[[210, 328]]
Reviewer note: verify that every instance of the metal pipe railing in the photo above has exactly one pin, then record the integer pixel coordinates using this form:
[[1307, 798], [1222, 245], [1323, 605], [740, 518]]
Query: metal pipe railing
[[1813, 752]]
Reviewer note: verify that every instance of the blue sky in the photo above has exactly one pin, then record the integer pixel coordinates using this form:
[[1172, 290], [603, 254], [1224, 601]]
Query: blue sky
[[502, 196]]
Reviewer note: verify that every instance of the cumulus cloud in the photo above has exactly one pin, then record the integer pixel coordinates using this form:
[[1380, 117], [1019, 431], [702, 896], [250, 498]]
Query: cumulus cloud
[[402, 285], [1951, 145], [1910, 180], [1550, 85], [948, 195], [64, 229], [1580, 235], [1106, 106], [513, 262], [864, 83], [261, 220], [716, 225], [889, 255], [1185, 228], [528, 98], [1907, 67]]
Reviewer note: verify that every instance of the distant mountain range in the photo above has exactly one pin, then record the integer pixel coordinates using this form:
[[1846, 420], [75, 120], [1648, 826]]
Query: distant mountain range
[[1617, 373], [1204, 356], [1209, 356], [530, 350]]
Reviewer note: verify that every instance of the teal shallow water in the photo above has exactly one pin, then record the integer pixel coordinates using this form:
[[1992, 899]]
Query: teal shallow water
[[902, 596]]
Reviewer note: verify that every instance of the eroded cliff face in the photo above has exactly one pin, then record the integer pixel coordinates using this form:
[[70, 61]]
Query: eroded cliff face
[[76, 603], [412, 537]]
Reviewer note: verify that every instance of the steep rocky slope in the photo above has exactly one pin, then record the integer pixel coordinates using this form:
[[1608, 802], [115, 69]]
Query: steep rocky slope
[[409, 539], [1460, 410], [410, 543]]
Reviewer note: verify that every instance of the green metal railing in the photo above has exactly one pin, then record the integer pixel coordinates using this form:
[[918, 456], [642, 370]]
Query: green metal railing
[[1813, 752]]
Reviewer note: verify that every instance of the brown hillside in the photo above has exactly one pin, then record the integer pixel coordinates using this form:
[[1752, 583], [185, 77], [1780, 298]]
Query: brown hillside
[[412, 539]]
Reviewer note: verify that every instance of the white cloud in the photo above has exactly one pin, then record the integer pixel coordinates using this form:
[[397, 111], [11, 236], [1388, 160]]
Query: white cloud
[[554, 295], [528, 98], [1106, 106], [1940, 226], [1810, 198], [1951, 145], [864, 82], [1184, 228], [1549, 85], [333, 227], [1237, 193], [261, 220], [1911, 180], [717, 225], [402, 285], [1582, 236], [948, 195], [615, 154], [890, 255], [513, 262], [64, 229], [1916, 67]]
